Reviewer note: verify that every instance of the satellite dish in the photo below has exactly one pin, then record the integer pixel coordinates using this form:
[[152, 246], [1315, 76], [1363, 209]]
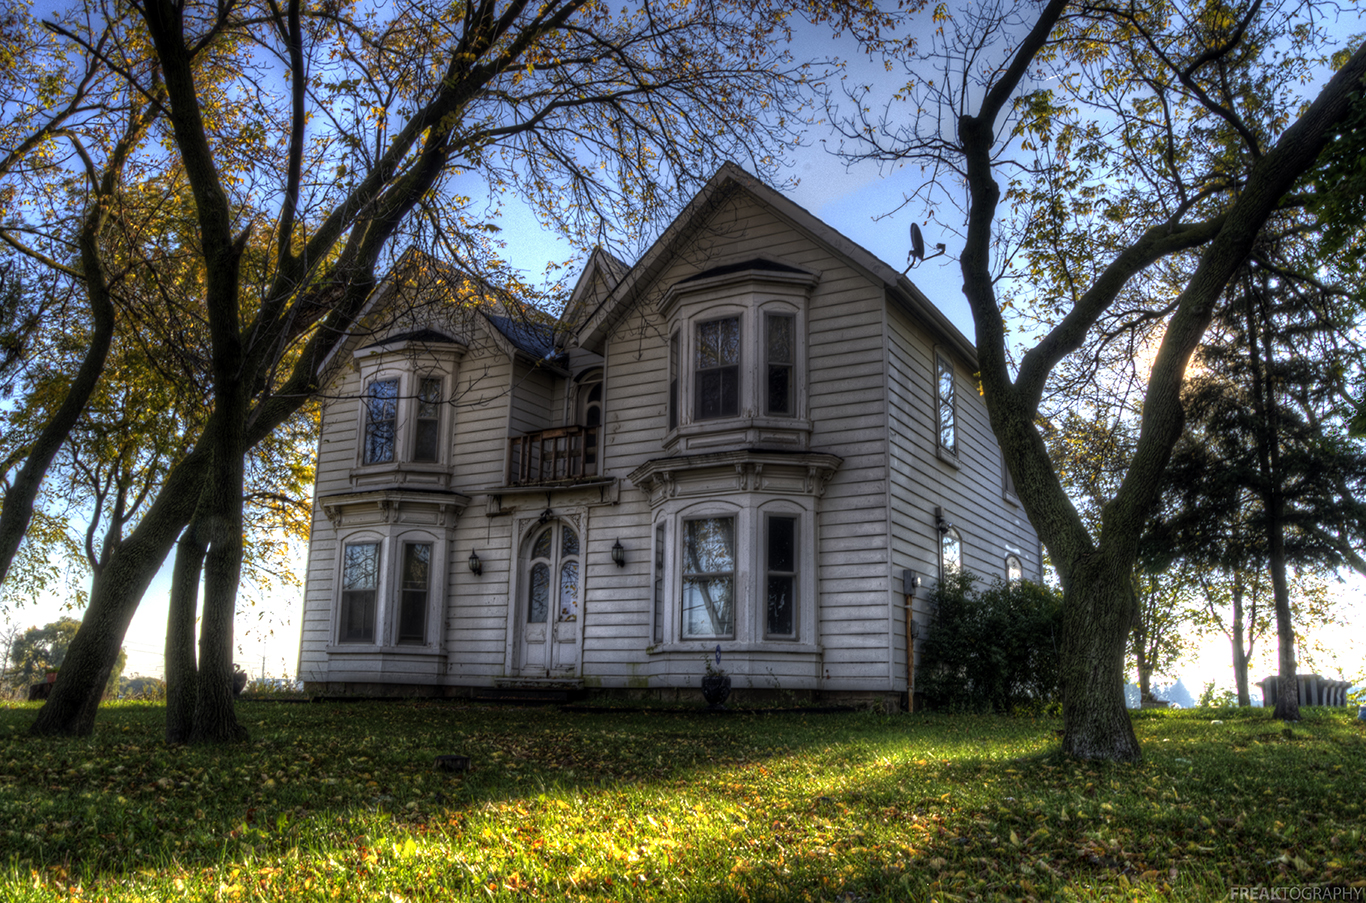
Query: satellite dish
[[917, 243]]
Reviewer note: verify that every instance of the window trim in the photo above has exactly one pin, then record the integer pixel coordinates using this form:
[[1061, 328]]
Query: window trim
[[750, 295], [751, 518], [341, 608], [738, 367], [1019, 567]]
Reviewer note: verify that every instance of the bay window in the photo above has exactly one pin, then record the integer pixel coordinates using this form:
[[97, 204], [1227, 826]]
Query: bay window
[[417, 583], [780, 554], [736, 357]]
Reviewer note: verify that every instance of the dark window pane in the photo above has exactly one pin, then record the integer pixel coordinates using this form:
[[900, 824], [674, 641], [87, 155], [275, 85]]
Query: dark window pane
[[717, 376], [779, 389], [781, 342], [540, 594], [659, 584], [780, 604], [782, 544], [360, 577], [381, 412], [673, 381], [542, 547], [569, 542], [427, 434]]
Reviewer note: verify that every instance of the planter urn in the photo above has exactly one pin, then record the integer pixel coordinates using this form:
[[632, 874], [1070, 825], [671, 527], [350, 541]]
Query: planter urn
[[715, 689]]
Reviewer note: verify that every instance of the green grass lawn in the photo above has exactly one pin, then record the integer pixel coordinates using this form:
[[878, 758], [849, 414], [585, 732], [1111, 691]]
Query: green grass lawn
[[337, 801]]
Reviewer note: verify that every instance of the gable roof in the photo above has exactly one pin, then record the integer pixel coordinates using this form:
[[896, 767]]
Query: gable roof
[[729, 181], [529, 337]]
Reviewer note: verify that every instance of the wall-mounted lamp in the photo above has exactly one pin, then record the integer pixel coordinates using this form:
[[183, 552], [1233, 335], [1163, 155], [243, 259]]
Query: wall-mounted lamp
[[546, 515], [941, 523], [910, 582], [619, 554], [476, 566]]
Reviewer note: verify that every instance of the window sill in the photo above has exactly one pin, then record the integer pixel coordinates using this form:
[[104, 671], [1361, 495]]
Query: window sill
[[372, 649], [732, 648], [948, 457], [402, 473], [1012, 498]]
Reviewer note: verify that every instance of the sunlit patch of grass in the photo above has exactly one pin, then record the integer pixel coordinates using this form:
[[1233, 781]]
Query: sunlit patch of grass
[[341, 802]]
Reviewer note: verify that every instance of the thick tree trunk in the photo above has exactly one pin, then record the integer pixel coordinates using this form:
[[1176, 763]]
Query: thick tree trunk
[[114, 596], [181, 669], [1098, 616], [1145, 671], [215, 719], [1287, 683]]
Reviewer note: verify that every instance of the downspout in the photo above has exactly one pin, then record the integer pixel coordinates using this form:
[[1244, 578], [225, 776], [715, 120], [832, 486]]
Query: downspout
[[910, 654]]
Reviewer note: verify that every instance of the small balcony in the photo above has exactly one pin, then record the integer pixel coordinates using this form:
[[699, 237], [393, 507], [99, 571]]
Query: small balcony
[[561, 455]]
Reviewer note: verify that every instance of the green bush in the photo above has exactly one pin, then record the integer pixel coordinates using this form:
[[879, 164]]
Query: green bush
[[992, 647]]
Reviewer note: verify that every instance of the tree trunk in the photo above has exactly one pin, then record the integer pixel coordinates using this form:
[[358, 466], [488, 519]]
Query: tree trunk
[[1098, 615], [1240, 650], [215, 719], [181, 670], [1145, 671], [114, 596]]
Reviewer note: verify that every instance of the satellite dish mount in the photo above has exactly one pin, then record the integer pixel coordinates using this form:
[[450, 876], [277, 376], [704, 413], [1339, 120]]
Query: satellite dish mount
[[917, 254]]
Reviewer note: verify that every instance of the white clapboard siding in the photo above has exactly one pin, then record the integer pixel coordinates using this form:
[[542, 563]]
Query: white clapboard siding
[[971, 494]]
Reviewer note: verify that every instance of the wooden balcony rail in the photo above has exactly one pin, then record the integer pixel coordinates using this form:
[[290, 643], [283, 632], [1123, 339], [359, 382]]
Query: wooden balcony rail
[[553, 456]]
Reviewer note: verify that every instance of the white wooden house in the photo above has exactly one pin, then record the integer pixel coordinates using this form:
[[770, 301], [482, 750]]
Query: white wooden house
[[753, 438]]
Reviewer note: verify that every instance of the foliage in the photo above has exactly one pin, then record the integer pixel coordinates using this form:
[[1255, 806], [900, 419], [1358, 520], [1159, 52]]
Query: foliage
[[1109, 168], [39, 650], [992, 648], [341, 802], [1210, 697]]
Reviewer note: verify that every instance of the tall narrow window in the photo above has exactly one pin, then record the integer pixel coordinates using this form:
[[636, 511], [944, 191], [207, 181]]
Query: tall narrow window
[[950, 553], [417, 582], [781, 353], [781, 553], [948, 433], [592, 422], [360, 579], [427, 432], [659, 584], [673, 381], [717, 369], [1007, 479], [1014, 571], [381, 416], [709, 578]]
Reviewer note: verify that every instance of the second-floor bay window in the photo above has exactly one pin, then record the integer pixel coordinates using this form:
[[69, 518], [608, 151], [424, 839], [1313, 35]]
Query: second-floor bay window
[[406, 420], [737, 356]]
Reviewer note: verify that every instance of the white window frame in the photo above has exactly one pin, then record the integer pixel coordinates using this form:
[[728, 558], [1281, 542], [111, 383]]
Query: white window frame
[[750, 296], [389, 592], [751, 514], [1019, 567]]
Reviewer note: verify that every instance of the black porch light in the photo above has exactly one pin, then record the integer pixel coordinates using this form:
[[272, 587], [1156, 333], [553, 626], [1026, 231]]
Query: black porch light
[[476, 566], [619, 554]]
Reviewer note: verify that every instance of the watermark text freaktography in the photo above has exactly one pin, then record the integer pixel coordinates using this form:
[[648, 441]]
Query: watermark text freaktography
[[1297, 893]]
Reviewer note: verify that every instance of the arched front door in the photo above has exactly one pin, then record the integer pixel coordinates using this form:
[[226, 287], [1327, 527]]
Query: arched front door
[[552, 589]]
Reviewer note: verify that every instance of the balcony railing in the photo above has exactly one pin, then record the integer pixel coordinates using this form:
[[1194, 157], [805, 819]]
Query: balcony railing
[[553, 456]]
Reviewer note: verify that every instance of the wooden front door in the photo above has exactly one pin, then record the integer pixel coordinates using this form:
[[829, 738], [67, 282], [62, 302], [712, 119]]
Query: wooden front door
[[552, 578]]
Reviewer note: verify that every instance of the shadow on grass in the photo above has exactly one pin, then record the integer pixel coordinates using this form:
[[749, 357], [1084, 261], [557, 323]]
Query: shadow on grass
[[773, 806]]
